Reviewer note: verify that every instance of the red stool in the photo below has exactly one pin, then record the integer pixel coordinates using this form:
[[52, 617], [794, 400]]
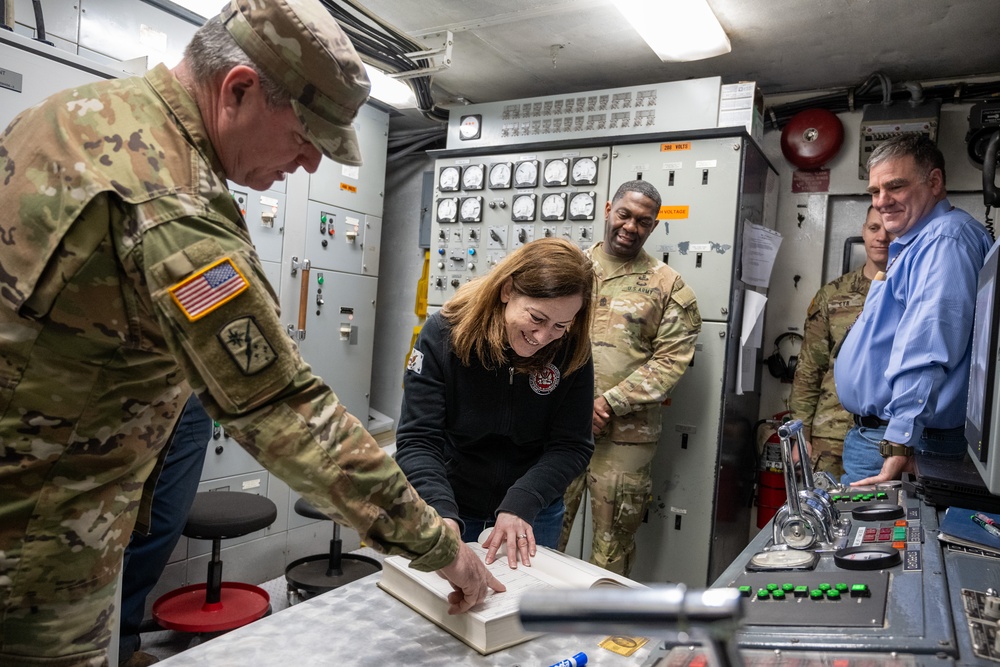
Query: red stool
[[324, 572], [217, 605]]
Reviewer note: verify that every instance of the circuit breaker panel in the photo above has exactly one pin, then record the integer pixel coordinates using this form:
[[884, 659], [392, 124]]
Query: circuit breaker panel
[[487, 206]]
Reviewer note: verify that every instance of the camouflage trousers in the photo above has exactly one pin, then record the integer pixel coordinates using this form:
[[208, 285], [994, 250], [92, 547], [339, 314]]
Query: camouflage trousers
[[619, 482], [828, 455], [58, 578]]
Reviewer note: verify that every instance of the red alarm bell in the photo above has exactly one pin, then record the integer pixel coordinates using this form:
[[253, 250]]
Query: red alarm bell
[[812, 138]]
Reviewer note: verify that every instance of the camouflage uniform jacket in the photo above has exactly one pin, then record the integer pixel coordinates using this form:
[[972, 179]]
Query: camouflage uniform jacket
[[814, 395], [114, 198], [646, 322]]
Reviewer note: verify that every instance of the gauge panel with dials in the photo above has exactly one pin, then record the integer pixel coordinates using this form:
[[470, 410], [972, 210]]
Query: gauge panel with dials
[[473, 177], [582, 205], [556, 173], [447, 209], [554, 206], [523, 208], [500, 175], [471, 209], [449, 178], [526, 174], [584, 171]]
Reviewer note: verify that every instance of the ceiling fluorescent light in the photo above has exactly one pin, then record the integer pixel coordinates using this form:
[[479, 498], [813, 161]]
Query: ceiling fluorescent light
[[677, 30], [390, 91]]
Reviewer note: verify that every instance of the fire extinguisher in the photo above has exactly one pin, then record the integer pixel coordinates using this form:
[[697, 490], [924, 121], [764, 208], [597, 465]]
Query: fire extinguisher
[[770, 494]]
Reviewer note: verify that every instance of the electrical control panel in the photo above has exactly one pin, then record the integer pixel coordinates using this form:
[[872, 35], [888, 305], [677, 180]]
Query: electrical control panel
[[486, 206]]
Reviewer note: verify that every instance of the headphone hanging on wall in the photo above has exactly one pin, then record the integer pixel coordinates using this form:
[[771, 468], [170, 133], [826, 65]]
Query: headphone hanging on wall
[[776, 364]]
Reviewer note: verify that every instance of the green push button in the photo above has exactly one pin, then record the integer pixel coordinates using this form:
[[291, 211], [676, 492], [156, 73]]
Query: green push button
[[833, 594], [762, 594], [816, 594], [772, 587], [899, 534], [788, 588], [778, 594], [860, 591], [881, 495], [841, 587], [801, 591], [746, 591], [824, 587]]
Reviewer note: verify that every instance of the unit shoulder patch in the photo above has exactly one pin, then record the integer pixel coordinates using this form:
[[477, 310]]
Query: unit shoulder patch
[[416, 362], [246, 344]]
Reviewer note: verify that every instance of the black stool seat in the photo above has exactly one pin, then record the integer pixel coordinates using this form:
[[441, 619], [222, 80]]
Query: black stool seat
[[226, 514], [218, 605], [324, 572]]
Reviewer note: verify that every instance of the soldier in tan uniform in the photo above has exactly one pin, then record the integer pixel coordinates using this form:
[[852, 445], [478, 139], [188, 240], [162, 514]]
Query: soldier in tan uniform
[[128, 280], [832, 312], [646, 322]]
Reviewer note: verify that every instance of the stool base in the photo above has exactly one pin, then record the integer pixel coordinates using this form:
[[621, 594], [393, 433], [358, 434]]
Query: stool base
[[185, 609], [310, 574]]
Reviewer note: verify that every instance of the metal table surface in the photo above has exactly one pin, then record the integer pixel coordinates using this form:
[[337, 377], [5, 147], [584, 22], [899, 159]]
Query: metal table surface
[[360, 624]]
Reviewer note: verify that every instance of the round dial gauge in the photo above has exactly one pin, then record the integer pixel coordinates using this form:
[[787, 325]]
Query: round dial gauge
[[556, 172], [523, 207], [554, 207], [448, 180], [585, 171], [787, 559], [526, 174], [446, 210], [472, 208], [867, 557], [500, 175], [470, 126], [472, 177], [581, 206]]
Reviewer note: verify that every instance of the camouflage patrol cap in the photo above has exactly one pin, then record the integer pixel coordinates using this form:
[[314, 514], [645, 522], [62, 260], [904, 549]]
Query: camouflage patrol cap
[[299, 44]]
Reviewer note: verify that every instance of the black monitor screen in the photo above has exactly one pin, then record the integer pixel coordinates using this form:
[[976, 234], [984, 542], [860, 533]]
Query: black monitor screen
[[981, 423]]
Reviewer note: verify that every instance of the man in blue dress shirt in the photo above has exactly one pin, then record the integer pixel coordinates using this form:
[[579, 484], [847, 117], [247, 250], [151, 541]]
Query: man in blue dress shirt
[[903, 369]]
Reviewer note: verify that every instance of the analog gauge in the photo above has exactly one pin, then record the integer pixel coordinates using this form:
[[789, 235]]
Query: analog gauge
[[447, 209], [581, 206], [584, 171], [556, 172], [472, 209], [867, 557], [500, 176], [554, 206], [523, 208], [526, 174], [785, 559], [470, 127], [449, 178], [472, 177]]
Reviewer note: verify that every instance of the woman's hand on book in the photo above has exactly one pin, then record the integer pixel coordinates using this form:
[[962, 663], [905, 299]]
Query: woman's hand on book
[[471, 580], [512, 530]]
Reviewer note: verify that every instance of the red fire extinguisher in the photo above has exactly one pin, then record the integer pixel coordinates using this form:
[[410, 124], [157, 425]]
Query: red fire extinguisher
[[770, 477]]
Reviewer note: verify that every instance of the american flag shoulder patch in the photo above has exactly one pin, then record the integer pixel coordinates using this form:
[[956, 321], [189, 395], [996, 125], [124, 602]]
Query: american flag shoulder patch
[[208, 289]]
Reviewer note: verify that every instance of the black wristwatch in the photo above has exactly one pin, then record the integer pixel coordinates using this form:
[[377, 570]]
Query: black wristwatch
[[887, 449]]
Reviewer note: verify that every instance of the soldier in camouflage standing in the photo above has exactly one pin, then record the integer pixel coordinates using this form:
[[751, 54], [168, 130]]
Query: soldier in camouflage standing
[[831, 313], [646, 322], [128, 279]]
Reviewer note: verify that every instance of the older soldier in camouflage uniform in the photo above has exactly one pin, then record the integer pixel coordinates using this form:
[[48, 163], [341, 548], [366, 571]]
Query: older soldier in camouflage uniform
[[646, 321], [832, 312], [128, 279]]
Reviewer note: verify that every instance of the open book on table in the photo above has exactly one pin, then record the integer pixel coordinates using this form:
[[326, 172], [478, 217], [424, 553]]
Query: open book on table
[[494, 624]]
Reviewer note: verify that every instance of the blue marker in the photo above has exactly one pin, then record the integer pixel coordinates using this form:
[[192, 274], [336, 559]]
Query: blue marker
[[578, 660]]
